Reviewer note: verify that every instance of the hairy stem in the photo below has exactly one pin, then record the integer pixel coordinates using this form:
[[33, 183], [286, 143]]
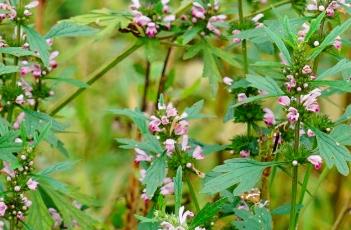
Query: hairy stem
[[96, 75], [243, 43], [192, 192], [163, 79]]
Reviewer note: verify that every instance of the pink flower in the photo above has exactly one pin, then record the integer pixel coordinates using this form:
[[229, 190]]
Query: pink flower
[[337, 43], [24, 70], [330, 12], [7, 169], [55, 216], [53, 63], [151, 30], [26, 202], [135, 5], [168, 20], [32, 184], [164, 120], [236, 40], [242, 97], [141, 156], [310, 133], [144, 196], [36, 71], [20, 99], [32, 4], [211, 26], [228, 81], [20, 215], [306, 69], [19, 119], [182, 216], [293, 115], [181, 128], [154, 124], [284, 100], [185, 141], [141, 20], [310, 100], [168, 187], [316, 161], [170, 146], [3, 208], [171, 111], [198, 154], [245, 153], [268, 117], [198, 11]]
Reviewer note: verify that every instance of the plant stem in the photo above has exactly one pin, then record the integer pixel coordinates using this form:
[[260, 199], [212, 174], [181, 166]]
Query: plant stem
[[294, 183], [243, 43], [146, 86], [192, 192], [163, 79], [304, 188], [96, 75], [344, 211], [268, 8]]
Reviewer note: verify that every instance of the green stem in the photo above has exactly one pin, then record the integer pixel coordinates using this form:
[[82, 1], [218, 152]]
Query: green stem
[[248, 129], [192, 192], [96, 75], [163, 79], [294, 183], [304, 188], [268, 8], [243, 43]]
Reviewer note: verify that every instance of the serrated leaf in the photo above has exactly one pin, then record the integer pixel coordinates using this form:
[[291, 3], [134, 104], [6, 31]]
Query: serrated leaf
[[315, 25], [342, 65], [16, 51], [37, 43], [285, 209], [190, 34], [254, 98], [346, 116], [342, 134], [245, 173], [155, 175], [210, 69], [70, 29], [58, 167], [260, 219], [137, 116], [192, 51], [207, 213], [333, 152], [226, 57], [340, 85], [266, 84], [194, 112], [152, 49], [330, 38], [279, 42], [38, 209], [150, 144], [178, 189]]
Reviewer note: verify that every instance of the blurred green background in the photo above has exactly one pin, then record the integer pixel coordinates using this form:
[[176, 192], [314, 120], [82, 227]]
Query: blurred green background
[[103, 171]]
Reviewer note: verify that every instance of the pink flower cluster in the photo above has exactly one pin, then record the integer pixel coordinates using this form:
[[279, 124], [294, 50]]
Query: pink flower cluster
[[181, 221], [329, 9], [151, 27]]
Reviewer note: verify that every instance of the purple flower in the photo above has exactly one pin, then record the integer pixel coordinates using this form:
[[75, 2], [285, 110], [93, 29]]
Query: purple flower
[[185, 141], [198, 154], [141, 156], [168, 20], [141, 20], [306, 69], [18, 121], [236, 40], [268, 117], [168, 187], [170, 146], [154, 124], [171, 111], [211, 26], [337, 43], [316, 161], [242, 97], [245, 153], [3, 208], [32, 184], [182, 216], [20, 99], [284, 100], [135, 5], [55, 216], [330, 12], [181, 128], [293, 115], [198, 11], [310, 133], [310, 100], [164, 120], [151, 30]]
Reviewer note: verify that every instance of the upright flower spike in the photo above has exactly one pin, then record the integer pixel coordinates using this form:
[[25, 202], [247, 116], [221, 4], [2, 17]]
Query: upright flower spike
[[316, 161]]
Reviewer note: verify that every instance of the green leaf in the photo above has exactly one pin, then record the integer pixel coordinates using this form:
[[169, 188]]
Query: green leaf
[[194, 112], [346, 116], [261, 219], [342, 65], [155, 175], [315, 25], [245, 173], [254, 98], [279, 42], [333, 152], [6, 69], [266, 84], [38, 43], [58, 167], [149, 144], [70, 29], [137, 116], [38, 209], [342, 134], [284, 209], [207, 213], [16, 51], [79, 84], [337, 85], [190, 34], [225, 56], [192, 51], [43, 133], [210, 69], [178, 189], [330, 38], [152, 49]]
